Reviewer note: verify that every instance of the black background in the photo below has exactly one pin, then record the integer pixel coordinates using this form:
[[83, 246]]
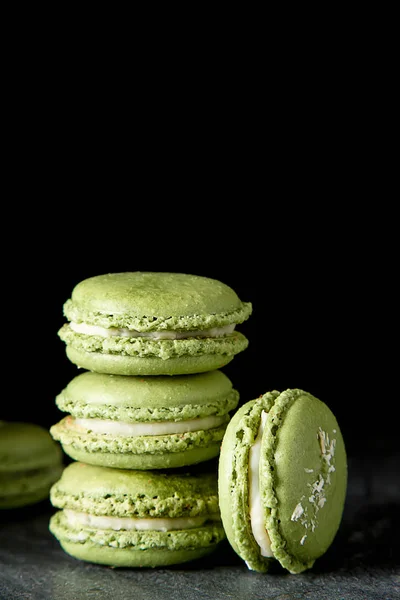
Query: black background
[[273, 171], [287, 195], [321, 297]]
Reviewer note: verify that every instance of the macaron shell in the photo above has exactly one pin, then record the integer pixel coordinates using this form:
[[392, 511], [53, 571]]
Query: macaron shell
[[123, 493], [148, 301], [303, 476], [145, 462], [233, 480], [115, 364], [130, 557], [139, 452], [148, 399]]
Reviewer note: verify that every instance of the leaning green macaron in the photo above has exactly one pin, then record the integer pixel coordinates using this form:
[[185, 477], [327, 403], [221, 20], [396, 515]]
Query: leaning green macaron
[[143, 323], [144, 422], [125, 518], [282, 480], [30, 462]]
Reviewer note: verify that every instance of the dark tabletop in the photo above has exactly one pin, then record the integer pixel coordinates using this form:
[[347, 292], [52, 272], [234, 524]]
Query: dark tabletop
[[362, 563]]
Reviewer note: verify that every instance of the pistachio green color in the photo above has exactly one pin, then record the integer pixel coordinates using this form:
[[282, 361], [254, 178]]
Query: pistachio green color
[[101, 491], [120, 364], [138, 494], [233, 480], [302, 474], [30, 462], [144, 400], [129, 556], [149, 302], [138, 452], [144, 356]]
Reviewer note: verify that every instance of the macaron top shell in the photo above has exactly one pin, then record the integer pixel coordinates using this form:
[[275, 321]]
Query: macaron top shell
[[128, 398], [136, 494], [147, 302], [26, 446], [302, 478], [304, 493]]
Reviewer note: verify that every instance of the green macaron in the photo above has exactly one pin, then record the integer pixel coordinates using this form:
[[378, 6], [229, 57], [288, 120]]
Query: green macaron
[[126, 518], [143, 323], [282, 480], [30, 462], [144, 422]]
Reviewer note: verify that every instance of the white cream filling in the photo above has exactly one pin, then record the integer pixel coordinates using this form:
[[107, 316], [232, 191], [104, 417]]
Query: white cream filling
[[256, 512], [80, 519], [156, 335], [160, 428]]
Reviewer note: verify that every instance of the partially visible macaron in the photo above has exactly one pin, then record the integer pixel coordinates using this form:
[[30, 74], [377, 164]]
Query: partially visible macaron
[[143, 323], [282, 480], [144, 422], [126, 518], [30, 462]]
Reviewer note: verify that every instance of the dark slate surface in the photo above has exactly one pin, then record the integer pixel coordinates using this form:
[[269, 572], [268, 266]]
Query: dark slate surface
[[362, 563]]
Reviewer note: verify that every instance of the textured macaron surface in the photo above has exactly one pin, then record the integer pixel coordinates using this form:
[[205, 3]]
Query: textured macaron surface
[[147, 301], [143, 323], [111, 493], [139, 347], [304, 491], [140, 494], [146, 399], [302, 478], [184, 419], [233, 480], [139, 452], [121, 364]]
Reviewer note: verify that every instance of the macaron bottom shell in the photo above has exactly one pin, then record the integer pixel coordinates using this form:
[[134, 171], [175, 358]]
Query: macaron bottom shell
[[143, 461], [115, 364], [129, 557]]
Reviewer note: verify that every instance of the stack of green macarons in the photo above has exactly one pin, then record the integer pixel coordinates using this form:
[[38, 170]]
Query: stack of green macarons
[[151, 404]]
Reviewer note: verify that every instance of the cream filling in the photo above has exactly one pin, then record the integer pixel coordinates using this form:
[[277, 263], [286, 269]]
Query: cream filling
[[160, 428], [156, 335], [256, 512], [80, 519]]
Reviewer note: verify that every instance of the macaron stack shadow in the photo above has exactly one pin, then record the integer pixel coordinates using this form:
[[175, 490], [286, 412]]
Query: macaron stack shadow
[[146, 419]]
